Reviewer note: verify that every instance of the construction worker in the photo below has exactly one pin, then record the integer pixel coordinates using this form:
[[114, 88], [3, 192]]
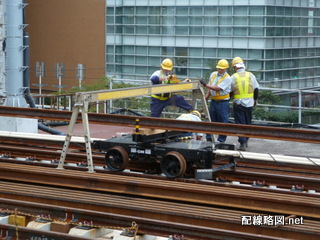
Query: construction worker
[[219, 90], [160, 101], [192, 116], [245, 90]]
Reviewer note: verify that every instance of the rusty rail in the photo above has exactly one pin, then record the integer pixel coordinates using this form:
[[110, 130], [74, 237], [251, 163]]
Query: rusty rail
[[287, 134]]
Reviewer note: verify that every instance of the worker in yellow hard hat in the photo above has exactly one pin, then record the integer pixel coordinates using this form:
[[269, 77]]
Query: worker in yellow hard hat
[[245, 90], [160, 101], [194, 115], [219, 87]]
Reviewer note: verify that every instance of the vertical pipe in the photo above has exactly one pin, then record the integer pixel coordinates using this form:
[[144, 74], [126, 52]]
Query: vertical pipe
[[300, 105], [15, 49]]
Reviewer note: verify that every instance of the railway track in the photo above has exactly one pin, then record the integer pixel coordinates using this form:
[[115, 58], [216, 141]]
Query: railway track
[[206, 221]]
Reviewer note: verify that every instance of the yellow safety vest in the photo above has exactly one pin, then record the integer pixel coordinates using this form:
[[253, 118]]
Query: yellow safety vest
[[218, 96], [243, 86], [162, 96]]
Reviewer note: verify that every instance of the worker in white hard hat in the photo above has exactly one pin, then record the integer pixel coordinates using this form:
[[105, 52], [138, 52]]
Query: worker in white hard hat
[[160, 101], [219, 87], [192, 116], [245, 90]]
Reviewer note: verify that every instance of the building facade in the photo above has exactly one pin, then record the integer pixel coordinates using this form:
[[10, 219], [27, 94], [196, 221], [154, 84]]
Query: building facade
[[67, 38], [278, 39]]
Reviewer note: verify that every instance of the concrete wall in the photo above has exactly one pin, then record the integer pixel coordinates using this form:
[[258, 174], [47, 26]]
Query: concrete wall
[[69, 32]]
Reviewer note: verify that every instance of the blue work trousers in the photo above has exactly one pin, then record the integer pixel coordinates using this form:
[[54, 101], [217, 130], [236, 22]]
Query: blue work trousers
[[157, 105], [219, 112], [242, 115]]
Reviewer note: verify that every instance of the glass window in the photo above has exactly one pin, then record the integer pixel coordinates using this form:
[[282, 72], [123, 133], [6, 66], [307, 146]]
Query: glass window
[[256, 10], [168, 20], [128, 10], [110, 19], [110, 29], [280, 11], [110, 58], [154, 10], [224, 53], [181, 51], [119, 49], [255, 54], [226, 11], [142, 10], [168, 30], [269, 76], [110, 11], [195, 73], [210, 11], [118, 59], [128, 59], [271, 11], [225, 20], [182, 11], [141, 50], [195, 20], [278, 31], [182, 20], [196, 11], [210, 31], [271, 21], [296, 31], [195, 31], [141, 30], [195, 62], [240, 52], [182, 30], [288, 11], [118, 29], [254, 31], [269, 65], [154, 30], [128, 50], [195, 52], [287, 21], [119, 20], [224, 31], [269, 54], [154, 51], [128, 20], [119, 10], [128, 69], [209, 52], [155, 61], [154, 19], [128, 29], [278, 53], [240, 11], [240, 31], [141, 20], [168, 10], [167, 51], [287, 31], [243, 21], [279, 21], [213, 21], [140, 70], [141, 60], [110, 49], [256, 21]]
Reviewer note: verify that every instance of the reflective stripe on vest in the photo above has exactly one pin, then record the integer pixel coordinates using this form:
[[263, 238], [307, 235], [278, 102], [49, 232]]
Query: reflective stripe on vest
[[243, 86], [218, 96], [162, 96]]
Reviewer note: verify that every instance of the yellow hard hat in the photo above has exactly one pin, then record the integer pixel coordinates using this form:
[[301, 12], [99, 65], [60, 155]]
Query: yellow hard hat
[[196, 113], [236, 60], [223, 64], [167, 64]]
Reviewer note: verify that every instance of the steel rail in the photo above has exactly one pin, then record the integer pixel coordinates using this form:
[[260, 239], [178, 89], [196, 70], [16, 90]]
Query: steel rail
[[299, 135], [146, 225], [208, 217], [225, 196]]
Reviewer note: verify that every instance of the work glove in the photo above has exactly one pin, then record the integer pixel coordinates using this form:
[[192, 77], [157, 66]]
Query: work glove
[[203, 83]]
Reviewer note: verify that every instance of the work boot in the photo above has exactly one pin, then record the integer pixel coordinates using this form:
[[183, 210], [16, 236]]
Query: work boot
[[242, 147]]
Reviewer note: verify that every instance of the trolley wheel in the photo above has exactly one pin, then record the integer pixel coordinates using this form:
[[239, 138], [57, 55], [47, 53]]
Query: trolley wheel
[[117, 158], [173, 165]]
